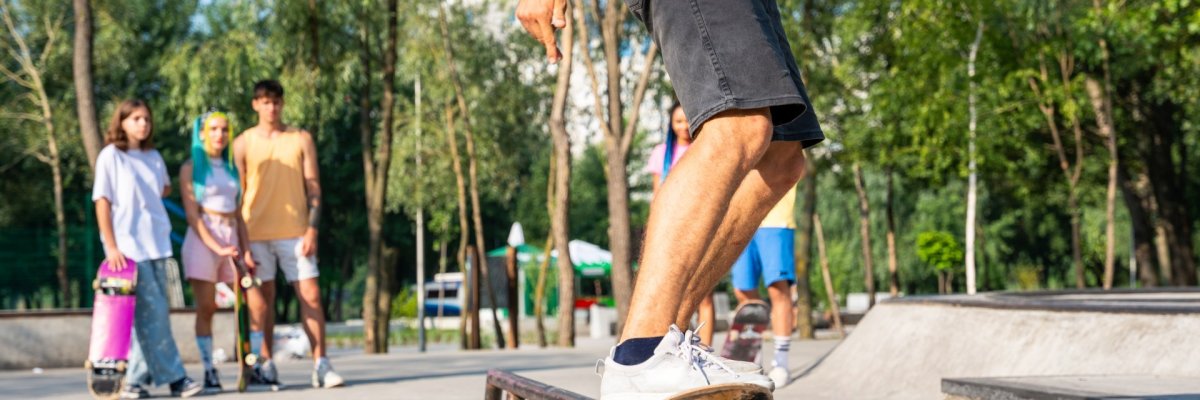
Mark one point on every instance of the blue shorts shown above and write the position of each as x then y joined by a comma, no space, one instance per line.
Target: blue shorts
768,258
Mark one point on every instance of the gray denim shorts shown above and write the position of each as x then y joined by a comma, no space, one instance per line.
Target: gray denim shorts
731,54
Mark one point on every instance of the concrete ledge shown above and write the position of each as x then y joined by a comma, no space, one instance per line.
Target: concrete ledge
52,339
1124,301
1073,387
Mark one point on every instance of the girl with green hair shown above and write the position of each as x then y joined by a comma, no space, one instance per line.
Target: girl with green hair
216,232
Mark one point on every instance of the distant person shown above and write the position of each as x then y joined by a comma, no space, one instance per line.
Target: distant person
282,210
216,233
662,158
770,259
131,180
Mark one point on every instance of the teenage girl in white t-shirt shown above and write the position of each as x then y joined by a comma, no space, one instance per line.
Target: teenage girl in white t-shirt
216,232
131,180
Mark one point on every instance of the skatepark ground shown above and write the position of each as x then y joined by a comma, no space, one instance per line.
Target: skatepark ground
1118,344
443,372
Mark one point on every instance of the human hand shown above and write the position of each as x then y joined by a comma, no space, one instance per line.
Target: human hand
227,251
308,245
541,18
116,260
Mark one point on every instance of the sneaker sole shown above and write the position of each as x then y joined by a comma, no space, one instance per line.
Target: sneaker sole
724,391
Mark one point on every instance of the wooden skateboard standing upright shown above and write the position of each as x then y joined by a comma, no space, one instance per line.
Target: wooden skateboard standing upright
744,342
246,360
112,326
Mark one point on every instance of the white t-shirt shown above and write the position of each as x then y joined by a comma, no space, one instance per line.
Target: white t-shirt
133,182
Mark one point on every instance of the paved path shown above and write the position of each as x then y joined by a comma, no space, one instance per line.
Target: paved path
444,373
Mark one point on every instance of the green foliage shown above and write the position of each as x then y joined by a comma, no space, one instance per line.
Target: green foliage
939,250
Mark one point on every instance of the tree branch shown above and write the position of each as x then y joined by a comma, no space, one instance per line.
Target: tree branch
584,43
638,95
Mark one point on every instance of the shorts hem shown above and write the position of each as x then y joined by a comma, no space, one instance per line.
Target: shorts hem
736,103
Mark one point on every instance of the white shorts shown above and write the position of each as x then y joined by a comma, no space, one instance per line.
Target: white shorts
286,252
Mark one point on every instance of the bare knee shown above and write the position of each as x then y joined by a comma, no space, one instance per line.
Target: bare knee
746,134
783,165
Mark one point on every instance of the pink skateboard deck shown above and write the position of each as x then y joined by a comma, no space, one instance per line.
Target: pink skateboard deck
112,325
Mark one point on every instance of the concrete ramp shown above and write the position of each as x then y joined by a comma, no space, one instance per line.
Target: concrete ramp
903,348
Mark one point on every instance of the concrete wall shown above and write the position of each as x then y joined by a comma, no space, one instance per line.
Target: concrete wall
903,350
60,339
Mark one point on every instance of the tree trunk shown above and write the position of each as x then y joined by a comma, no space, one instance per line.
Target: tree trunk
471,170
539,292
1143,230
84,93
972,180
468,316
618,136
864,229
376,317
893,276
830,294
804,245
561,177
474,342
1099,99
371,286
619,231
60,215
514,309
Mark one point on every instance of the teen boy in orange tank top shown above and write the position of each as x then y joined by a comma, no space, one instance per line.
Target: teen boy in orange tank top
282,209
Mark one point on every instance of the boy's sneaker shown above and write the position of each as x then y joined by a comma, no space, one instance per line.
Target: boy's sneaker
780,376
212,381
323,376
265,374
677,365
186,387
134,391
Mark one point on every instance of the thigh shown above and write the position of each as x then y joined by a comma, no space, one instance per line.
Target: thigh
264,256
199,262
777,249
295,265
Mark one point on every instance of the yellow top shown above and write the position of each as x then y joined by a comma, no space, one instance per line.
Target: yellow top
275,205
782,215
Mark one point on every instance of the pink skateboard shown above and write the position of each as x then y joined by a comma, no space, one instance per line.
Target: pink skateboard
112,323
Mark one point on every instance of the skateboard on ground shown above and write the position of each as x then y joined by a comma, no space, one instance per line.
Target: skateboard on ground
112,325
744,342
245,359
726,391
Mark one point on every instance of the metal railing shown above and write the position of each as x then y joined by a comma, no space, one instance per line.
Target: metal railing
519,387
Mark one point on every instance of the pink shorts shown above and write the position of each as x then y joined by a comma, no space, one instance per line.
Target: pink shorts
199,262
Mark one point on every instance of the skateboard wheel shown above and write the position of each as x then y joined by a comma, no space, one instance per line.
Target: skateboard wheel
121,366
96,284
247,282
251,359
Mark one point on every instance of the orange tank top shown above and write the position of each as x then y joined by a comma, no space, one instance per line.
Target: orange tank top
275,205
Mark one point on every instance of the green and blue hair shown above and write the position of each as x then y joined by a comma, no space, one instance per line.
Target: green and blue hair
201,167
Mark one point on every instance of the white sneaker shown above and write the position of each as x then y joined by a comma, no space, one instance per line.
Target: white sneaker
677,365
741,367
780,376
323,376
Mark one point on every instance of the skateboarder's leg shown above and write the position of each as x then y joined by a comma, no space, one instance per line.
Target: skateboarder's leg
309,294
153,325
204,295
707,314
698,191
261,301
778,170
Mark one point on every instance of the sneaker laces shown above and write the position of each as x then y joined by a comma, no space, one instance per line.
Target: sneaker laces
699,355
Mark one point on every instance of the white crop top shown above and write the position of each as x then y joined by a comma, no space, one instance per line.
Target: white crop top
220,189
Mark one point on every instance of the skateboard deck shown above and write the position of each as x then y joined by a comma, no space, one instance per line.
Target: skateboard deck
112,325
727,391
744,342
246,360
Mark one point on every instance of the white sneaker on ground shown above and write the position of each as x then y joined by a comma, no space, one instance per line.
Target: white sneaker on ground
677,365
780,376
323,376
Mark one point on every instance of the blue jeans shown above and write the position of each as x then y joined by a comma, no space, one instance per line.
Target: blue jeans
153,357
